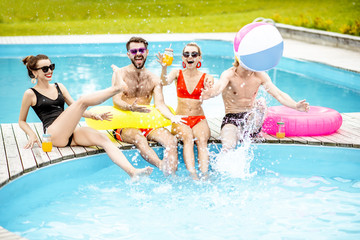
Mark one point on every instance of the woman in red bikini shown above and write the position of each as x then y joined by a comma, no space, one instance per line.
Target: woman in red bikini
189,85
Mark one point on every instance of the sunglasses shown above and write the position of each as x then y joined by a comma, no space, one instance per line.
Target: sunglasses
134,51
46,68
193,54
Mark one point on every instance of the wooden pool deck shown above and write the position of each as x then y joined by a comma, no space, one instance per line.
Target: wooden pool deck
16,161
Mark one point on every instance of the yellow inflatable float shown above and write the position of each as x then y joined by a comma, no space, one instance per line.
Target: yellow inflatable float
128,119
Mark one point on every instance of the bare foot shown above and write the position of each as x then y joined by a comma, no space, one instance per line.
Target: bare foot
204,176
141,172
166,168
117,80
194,176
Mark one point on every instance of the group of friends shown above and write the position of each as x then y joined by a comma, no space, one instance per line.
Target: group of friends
134,86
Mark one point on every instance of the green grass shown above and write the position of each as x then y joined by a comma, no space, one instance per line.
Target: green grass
53,17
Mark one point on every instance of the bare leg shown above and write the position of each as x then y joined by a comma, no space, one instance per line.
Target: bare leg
229,137
261,109
62,128
169,142
134,136
86,136
256,117
185,134
202,134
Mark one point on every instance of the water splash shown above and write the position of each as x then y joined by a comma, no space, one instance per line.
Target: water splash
235,163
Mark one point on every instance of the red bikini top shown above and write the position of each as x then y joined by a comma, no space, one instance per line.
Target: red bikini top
182,91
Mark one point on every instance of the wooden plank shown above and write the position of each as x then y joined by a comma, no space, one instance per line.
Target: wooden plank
214,129
79,151
125,145
351,125
217,120
216,125
42,159
349,132
215,133
27,157
311,140
66,153
325,141
349,137
92,150
354,115
269,139
12,153
286,140
154,144
298,140
352,118
354,130
339,140
4,171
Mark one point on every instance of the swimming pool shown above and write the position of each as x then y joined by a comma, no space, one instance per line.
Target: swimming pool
84,68
288,192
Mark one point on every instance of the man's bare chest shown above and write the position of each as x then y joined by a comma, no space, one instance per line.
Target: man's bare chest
139,88
243,88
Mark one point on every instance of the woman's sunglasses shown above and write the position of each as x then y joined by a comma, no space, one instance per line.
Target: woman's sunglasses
46,68
134,51
193,54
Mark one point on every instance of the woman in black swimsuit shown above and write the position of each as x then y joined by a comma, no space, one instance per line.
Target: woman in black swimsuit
48,100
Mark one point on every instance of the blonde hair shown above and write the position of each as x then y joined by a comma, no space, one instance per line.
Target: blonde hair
193,44
236,63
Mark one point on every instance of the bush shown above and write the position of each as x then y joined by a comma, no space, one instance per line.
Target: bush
353,28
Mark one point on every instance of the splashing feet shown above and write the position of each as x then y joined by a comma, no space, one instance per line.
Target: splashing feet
142,172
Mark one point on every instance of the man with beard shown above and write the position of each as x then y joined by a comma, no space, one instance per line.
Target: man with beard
142,85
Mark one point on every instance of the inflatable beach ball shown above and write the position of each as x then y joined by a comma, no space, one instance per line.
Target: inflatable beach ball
258,46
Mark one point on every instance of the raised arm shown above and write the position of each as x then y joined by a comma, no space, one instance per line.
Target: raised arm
166,79
28,100
117,99
212,90
281,96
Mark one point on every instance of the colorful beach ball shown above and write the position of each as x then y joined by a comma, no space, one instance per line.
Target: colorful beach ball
258,46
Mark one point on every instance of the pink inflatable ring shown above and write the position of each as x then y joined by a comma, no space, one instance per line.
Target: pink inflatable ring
317,121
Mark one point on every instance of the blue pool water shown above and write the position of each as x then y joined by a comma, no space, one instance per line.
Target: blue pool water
288,192
84,68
